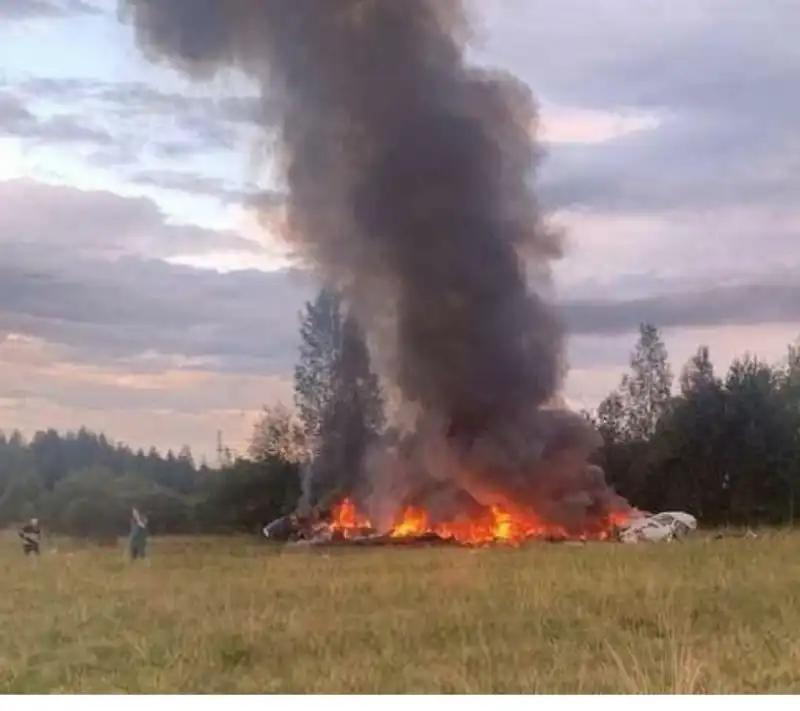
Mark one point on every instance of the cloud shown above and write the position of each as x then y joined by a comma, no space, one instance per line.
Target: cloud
637,255
42,386
687,163
695,54
135,312
74,274
746,304
709,120
35,369
163,429
194,184
18,120
44,9
560,125
165,408
13,112
161,123
48,219
80,269
138,312
714,73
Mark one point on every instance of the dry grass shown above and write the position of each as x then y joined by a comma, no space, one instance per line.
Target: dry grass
237,616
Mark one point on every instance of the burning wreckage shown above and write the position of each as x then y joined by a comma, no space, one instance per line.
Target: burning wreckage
345,525
410,181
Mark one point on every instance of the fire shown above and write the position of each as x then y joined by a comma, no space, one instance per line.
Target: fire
503,523
497,525
347,520
413,523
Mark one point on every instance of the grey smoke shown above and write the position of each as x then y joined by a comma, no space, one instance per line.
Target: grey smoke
410,189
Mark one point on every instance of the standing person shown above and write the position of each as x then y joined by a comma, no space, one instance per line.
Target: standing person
137,543
31,536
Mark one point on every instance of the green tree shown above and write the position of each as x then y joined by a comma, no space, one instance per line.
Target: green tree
354,419
698,373
249,494
337,394
315,371
611,418
685,469
647,389
87,503
790,394
46,476
278,433
758,441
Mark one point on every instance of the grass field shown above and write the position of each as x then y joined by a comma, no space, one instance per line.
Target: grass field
239,616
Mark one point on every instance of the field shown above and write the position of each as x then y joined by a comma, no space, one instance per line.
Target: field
239,616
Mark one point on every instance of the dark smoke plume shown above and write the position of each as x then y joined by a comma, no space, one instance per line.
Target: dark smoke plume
409,181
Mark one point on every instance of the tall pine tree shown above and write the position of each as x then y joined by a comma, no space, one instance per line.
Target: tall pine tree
338,396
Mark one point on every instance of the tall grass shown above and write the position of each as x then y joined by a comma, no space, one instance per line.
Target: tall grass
238,616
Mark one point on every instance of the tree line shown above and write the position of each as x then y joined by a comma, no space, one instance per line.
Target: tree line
723,447
82,483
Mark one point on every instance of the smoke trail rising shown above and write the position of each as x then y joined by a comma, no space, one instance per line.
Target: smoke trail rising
409,178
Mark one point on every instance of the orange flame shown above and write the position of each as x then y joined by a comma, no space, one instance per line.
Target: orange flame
496,526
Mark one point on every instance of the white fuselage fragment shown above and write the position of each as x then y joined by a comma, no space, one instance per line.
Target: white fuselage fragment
666,526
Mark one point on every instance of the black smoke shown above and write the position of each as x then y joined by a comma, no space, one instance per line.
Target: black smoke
410,183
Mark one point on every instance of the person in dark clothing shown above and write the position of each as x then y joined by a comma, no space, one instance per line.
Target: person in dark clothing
31,536
137,543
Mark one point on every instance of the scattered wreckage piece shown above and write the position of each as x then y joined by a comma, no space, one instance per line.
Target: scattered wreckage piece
285,528
666,526
313,529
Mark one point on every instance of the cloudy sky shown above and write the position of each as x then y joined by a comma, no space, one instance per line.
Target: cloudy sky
138,295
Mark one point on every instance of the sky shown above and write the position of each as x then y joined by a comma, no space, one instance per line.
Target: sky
141,296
